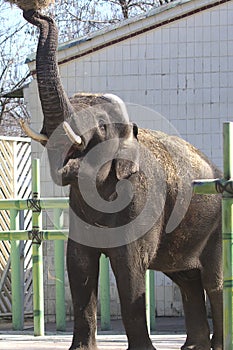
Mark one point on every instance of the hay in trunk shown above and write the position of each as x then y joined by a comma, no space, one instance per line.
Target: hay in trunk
30,4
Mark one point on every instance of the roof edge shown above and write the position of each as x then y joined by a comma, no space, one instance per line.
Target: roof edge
130,28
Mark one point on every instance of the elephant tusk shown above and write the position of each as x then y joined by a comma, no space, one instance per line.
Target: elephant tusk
31,133
71,134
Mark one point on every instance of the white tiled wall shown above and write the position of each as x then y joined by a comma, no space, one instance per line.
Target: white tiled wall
182,70
179,76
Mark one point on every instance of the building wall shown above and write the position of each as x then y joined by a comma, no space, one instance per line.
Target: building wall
177,78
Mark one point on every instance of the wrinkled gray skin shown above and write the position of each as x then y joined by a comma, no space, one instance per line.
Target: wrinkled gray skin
190,253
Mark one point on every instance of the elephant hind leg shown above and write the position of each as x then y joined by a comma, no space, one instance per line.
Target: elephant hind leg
212,279
193,297
215,296
216,301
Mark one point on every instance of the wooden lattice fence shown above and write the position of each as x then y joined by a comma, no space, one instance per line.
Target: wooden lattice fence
15,182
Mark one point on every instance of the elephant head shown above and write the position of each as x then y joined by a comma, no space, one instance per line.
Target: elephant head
73,127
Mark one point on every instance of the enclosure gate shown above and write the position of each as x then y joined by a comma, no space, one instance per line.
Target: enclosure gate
15,181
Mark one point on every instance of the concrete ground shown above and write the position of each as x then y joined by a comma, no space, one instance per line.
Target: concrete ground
105,342
170,335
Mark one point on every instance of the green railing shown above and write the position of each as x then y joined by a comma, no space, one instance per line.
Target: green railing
37,235
225,186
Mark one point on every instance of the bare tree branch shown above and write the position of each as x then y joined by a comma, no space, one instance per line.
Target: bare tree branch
74,18
10,36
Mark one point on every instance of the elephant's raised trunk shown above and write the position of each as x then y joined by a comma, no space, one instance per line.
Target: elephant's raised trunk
55,103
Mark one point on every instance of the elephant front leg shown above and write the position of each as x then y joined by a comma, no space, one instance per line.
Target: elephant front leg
130,280
83,271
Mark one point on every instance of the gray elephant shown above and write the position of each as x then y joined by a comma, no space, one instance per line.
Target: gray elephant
131,199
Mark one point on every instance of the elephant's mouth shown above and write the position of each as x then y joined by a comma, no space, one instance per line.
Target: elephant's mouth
64,159
72,153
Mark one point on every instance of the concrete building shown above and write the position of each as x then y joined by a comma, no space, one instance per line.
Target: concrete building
174,68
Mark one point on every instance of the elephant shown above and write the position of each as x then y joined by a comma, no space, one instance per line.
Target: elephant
131,199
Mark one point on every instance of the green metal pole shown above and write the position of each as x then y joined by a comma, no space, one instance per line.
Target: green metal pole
104,293
19,204
152,300
60,274
17,297
148,299
22,235
228,150
38,290
45,203
227,231
56,235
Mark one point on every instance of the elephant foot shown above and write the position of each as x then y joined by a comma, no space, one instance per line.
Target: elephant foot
142,348
216,344
195,347
84,348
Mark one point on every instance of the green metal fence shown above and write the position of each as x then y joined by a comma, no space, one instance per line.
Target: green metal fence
37,234
225,186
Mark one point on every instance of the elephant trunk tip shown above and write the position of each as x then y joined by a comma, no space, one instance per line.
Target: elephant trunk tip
31,4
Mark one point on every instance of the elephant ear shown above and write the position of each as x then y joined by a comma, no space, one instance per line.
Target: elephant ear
127,159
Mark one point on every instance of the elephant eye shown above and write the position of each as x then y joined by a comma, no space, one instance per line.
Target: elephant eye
102,126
